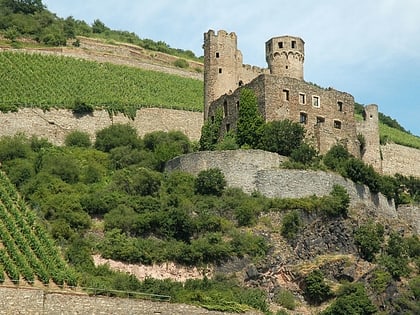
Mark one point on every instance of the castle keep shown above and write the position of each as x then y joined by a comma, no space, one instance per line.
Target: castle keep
282,93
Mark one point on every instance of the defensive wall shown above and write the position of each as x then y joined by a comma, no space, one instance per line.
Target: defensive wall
256,170
56,124
39,302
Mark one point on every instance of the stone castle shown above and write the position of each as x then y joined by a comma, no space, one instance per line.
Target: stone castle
282,93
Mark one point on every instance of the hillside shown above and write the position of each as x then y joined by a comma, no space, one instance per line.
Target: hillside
27,253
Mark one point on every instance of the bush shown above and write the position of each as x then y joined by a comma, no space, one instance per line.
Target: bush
181,63
210,182
337,203
316,290
304,154
368,239
335,158
78,139
283,137
286,299
290,225
116,136
352,299
81,108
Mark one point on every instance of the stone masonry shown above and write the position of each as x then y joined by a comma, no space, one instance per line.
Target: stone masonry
282,93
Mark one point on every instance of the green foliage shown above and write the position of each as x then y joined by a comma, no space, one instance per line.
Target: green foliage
286,299
137,181
352,299
210,132
283,137
228,142
78,139
315,289
250,121
336,157
337,203
304,154
395,259
49,81
181,63
14,147
210,182
247,211
380,281
398,136
116,136
369,238
291,225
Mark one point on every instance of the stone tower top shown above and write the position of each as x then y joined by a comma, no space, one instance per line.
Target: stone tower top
285,56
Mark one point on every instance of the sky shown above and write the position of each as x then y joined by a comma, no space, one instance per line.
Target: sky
368,48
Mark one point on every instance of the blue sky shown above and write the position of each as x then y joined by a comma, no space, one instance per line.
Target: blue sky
368,48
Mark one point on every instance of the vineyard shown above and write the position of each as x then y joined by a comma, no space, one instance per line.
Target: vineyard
47,81
27,253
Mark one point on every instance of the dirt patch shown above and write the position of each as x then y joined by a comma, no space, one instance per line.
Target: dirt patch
162,271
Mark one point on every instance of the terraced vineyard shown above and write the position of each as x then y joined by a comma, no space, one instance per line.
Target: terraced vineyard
27,253
35,80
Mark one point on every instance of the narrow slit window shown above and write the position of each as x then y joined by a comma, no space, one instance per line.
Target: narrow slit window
303,119
225,108
340,106
315,101
286,95
217,55
220,70
227,127
293,44
237,106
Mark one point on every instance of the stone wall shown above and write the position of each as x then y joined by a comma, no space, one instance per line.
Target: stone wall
255,170
37,301
400,159
56,124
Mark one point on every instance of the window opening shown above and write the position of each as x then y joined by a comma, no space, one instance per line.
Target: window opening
280,44
220,70
320,120
337,124
340,106
217,55
286,95
241,83
212,119
302,98
225,108
315,101
293,44
227,127
303,118
237,106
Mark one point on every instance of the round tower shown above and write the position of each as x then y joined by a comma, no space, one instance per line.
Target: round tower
285,56
222,60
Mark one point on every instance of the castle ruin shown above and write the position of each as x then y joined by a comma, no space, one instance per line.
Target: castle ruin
282,93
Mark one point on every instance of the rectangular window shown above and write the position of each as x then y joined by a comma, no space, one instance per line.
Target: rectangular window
217,55
315,101
220,70
320,120
286,95
225,109
212,119
337,124
293,44
280,44
340,106
302,99
303,119
227,127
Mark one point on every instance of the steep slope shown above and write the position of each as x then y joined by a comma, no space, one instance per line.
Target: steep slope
27,253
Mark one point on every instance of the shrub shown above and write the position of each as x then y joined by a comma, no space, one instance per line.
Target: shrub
81,108
335,157
304,154
282,137
78,139
316,290
368,239
210,182
352,299
116,136
337,203
181,63
291,225
286,299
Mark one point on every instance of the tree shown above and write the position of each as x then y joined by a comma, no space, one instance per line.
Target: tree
116,136
334,159
352,299
250,120
78,139
290,225
316,290
304,154
281,137
210,132
368,239
99,27
210,182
